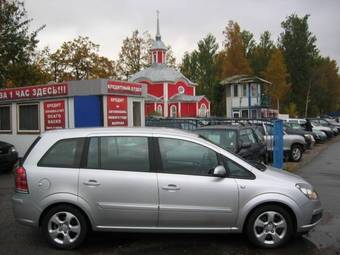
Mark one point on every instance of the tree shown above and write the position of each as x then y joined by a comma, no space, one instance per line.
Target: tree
299,49
189,66
234,54
261,53
17,46
249,42
134,55
76,60
276,73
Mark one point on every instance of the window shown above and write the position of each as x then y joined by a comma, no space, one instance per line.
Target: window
236,115
244,90
64,153
28,118
173,111
160,109
119,153
5,118
236,171
183,157
269,129
181,90
247,136
203,111
235,90
254,90
228,91
226,139
244,113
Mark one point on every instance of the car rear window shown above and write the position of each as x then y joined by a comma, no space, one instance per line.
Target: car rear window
30,149
65,153
226,139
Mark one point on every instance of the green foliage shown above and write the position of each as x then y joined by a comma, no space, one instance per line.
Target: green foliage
300,51
17,46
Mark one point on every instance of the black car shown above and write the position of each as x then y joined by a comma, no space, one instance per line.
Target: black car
242,140
8,156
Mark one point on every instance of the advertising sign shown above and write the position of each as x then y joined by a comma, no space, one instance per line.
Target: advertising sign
54,113
126,88
117,112
34,92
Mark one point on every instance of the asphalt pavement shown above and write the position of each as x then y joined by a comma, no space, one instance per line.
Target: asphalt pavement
323,172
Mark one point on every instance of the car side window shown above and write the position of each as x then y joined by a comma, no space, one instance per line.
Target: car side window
119,153
65,153
184,157
269,129
247,136
235,170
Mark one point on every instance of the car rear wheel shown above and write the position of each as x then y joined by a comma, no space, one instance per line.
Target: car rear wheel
64,227
295,153
269,226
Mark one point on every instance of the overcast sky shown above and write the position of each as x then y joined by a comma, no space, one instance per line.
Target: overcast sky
183,22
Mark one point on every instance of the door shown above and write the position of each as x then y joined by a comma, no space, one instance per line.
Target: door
88,111
189,196
137,118
117,182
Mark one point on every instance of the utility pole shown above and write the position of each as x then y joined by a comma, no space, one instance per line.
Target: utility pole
307,97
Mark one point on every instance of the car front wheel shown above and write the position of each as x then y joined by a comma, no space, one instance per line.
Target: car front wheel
269,226
295,154
64,227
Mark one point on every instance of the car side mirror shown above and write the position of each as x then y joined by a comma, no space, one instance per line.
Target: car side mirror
245,145
220,171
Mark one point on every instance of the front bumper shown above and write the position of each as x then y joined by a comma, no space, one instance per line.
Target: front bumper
311,215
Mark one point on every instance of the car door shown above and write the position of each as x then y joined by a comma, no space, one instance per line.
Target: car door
117,184
189,196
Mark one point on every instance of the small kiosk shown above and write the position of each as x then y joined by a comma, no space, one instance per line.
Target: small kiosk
26,112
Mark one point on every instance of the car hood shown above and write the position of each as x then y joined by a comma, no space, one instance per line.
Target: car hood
4,145
283,176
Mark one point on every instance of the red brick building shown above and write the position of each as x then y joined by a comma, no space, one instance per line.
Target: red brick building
169,92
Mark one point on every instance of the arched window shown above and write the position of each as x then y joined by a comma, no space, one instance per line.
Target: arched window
181,90
173,111
160,109
203,111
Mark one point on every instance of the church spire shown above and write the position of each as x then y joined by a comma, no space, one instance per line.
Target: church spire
158,35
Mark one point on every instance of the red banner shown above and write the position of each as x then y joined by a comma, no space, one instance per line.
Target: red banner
54,113
126,88
117,114
34,92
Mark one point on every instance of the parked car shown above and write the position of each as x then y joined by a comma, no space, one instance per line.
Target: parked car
307,135
335,126
327,130
318,135
8,156
239,139
293,145
159,180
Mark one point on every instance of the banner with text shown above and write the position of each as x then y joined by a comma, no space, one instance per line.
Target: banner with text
54,113
124,87
50,90
117,112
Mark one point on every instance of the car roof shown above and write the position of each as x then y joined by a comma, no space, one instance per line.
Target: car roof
82,132
234,127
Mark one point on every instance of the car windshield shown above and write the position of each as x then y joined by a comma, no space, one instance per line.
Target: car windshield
224,138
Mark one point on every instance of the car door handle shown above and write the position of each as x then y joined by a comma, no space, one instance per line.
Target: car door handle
91,183
171,187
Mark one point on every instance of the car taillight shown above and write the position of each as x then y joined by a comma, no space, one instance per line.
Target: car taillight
21,185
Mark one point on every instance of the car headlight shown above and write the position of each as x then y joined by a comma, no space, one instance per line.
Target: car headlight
12,150
307,190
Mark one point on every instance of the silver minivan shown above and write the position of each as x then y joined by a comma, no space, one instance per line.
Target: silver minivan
154,179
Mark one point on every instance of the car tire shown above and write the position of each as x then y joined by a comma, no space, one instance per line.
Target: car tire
64,227
295,153
269,226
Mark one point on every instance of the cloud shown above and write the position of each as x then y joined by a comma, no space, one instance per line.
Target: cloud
183,22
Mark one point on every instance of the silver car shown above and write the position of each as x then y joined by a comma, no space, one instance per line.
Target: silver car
158,180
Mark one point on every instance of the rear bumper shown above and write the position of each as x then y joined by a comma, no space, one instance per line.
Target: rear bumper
24,210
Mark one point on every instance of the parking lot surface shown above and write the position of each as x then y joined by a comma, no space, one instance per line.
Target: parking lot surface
323,172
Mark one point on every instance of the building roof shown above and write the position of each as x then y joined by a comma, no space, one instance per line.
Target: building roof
153,98
243,78
185,98
160,73
158,43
